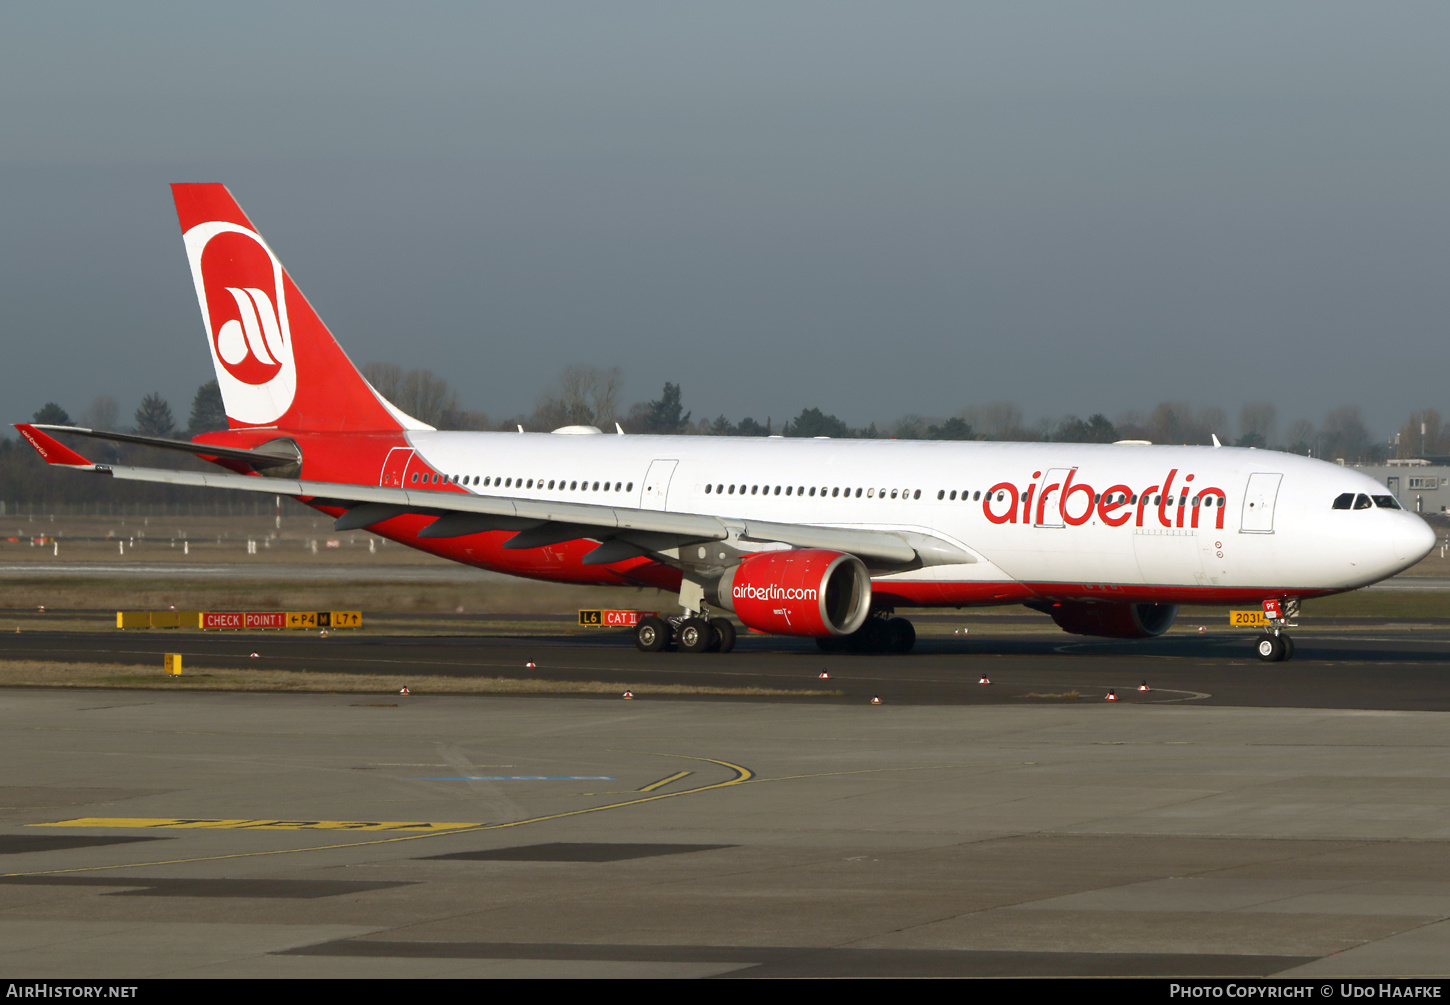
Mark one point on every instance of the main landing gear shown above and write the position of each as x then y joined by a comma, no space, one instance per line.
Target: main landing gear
880,634
688,633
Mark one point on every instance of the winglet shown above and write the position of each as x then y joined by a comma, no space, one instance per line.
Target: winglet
52,450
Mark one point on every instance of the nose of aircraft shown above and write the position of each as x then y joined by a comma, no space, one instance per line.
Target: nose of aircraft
1414,539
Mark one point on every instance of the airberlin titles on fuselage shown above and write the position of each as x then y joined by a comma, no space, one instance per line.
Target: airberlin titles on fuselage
1042,501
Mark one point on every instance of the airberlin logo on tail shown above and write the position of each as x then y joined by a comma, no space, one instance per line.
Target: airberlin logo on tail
239,285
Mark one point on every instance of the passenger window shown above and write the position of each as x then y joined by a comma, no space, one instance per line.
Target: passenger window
858,493
1387,502
813,490
893,493
1361,501
835,492
787,490
942,494
732,490
1344,500
916,494
755,490
708,488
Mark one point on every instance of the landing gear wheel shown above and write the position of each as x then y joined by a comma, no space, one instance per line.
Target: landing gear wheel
724,635
900,636
869,638
1270,648
694,635
651,634
1288,646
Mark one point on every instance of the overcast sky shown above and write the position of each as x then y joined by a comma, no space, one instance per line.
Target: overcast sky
874,209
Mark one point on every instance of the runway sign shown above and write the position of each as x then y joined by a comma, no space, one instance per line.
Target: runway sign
611,619
238,620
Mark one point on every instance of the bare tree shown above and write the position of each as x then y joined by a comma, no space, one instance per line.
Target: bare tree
421,393
1215,422
1421,434
582,396
1343,435
386,379
1301,437
1175,422
1258,419
104,413
997,420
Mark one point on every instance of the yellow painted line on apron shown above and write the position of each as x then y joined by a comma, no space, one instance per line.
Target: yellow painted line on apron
200,823
742,775
665,781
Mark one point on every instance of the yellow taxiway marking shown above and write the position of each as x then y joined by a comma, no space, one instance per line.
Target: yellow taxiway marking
200,823
742,775
665,781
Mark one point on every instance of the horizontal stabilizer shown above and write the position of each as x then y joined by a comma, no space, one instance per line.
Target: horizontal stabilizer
256,458
51,450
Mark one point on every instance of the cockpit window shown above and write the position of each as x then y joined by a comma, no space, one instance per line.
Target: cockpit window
1361,501
1344,500
1387,502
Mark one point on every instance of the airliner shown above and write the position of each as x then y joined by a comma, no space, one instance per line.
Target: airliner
816,538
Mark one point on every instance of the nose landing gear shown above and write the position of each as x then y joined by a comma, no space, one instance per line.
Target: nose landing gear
1275,645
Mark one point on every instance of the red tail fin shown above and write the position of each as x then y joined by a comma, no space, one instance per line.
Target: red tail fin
275,360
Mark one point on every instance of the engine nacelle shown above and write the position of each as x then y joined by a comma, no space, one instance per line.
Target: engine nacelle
805,591
1113,620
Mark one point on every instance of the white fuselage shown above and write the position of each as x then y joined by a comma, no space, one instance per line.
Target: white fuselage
1088,516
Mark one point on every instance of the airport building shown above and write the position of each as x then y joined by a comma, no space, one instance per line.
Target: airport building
1421,485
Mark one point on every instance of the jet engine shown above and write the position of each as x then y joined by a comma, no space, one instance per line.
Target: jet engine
1113,620
806,591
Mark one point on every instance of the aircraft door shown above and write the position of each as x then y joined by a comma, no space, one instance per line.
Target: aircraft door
1259,498
656,488
395,467
1048,500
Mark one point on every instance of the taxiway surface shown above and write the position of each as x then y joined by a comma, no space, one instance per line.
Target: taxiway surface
1240,818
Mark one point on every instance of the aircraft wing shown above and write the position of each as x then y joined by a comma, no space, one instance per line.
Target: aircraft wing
623,532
